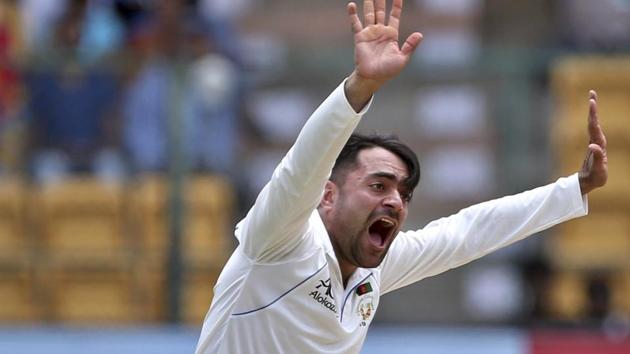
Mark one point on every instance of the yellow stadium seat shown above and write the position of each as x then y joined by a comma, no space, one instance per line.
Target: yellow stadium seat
18,296
152,291
13,238
207,208
572,78
197,294
92,296
81,219
599,241
209,203
148,216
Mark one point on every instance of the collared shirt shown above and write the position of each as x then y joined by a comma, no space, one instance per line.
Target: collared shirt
281,290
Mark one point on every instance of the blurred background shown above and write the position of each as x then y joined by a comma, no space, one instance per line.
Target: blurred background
135,133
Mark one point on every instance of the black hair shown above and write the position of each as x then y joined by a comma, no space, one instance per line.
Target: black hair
347,158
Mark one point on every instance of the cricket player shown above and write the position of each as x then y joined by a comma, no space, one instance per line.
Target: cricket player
323,240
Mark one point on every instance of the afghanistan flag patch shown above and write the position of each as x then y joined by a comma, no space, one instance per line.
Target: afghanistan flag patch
364,288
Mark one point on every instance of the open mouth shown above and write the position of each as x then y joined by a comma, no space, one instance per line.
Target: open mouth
380,231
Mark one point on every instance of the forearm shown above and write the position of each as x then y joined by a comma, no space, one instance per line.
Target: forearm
486,227
480,229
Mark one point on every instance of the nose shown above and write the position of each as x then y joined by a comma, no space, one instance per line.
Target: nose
394,201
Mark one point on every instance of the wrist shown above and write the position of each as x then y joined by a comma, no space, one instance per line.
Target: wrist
360,90
360,83
585,187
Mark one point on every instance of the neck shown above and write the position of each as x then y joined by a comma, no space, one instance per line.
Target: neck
346,268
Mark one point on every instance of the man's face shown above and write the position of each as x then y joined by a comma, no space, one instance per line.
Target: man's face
365,212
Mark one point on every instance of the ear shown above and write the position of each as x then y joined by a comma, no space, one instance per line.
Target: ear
330,195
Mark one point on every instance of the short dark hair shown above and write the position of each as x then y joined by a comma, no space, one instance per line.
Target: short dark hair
347,158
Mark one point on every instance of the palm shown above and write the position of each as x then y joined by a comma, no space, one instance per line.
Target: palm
377,53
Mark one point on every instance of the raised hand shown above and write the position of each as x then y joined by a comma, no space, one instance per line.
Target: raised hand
594,171
377,54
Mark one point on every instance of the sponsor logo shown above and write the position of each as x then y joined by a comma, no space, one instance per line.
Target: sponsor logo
324,295
325,285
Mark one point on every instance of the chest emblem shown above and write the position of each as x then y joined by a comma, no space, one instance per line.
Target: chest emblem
366,308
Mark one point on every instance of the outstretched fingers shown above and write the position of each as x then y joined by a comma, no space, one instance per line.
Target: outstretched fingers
411,43
355,22
374,13
368,12
395,13
595,132
380,12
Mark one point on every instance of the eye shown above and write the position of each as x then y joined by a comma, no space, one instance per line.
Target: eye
406,197
377,186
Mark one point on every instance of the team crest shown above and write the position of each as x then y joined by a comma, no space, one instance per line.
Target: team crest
366,308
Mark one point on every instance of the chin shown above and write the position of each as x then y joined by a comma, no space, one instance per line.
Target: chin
372,263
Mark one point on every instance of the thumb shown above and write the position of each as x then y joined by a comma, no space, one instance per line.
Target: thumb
411,43
597,154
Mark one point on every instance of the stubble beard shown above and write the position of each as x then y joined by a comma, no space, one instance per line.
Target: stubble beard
354,253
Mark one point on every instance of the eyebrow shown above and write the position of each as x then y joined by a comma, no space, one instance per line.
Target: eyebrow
386,175
391,177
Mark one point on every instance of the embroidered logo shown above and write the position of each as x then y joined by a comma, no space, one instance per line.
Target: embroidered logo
324,295
365,309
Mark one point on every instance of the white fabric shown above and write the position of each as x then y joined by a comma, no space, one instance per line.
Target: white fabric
282,291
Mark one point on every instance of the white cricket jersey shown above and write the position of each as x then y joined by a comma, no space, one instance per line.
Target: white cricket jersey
281,290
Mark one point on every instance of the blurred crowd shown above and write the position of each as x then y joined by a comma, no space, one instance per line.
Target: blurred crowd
116,87
120,87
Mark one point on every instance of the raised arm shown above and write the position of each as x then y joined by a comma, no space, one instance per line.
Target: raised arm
276,223
486,227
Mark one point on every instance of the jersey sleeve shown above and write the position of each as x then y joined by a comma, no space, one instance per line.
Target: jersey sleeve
277,222
478,230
